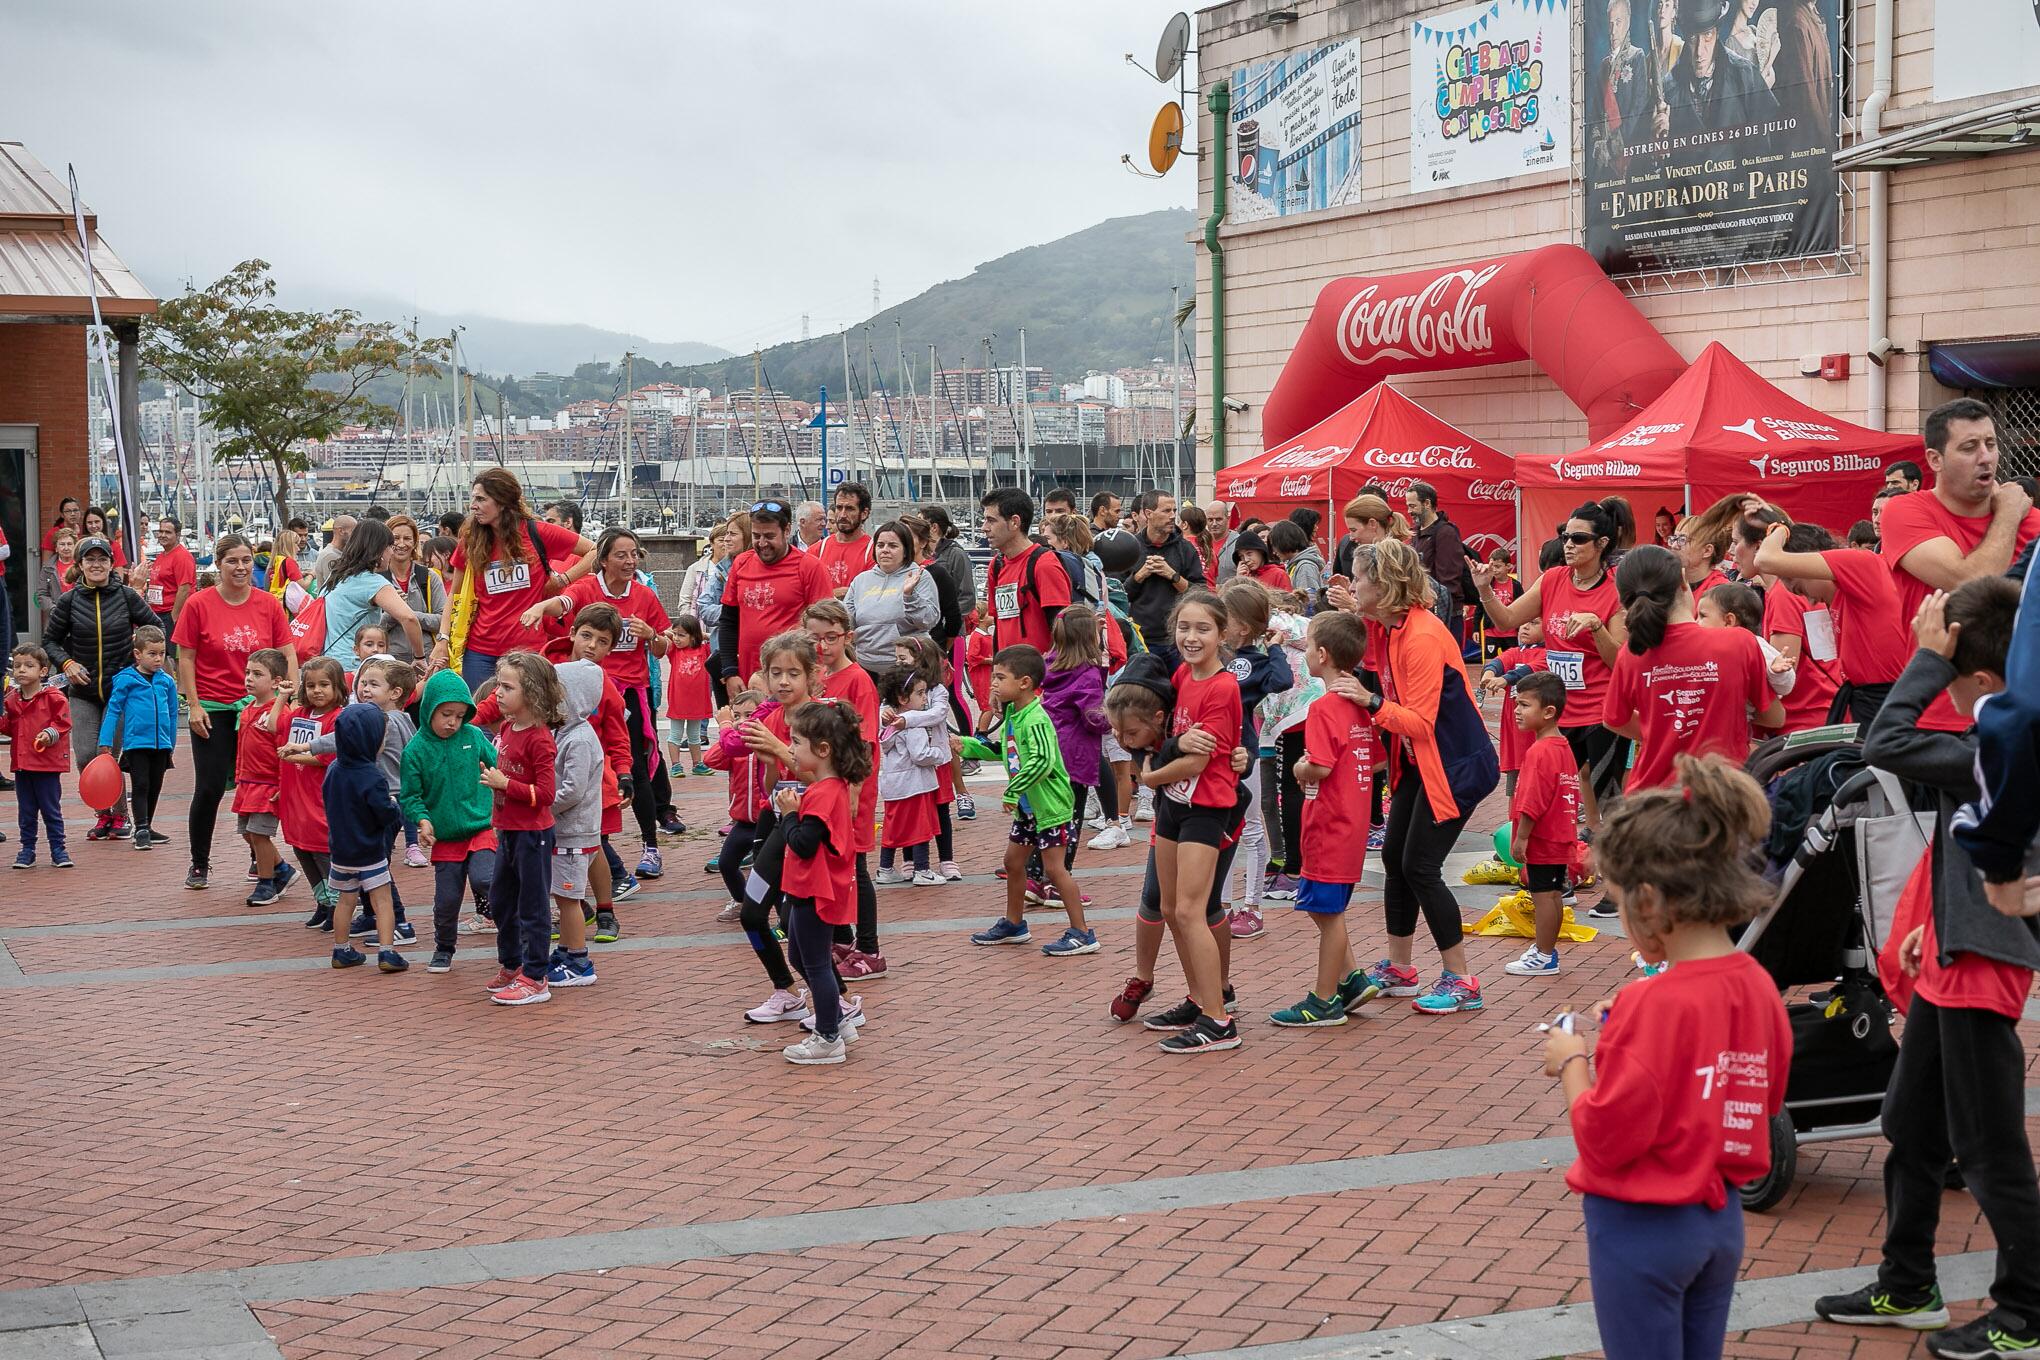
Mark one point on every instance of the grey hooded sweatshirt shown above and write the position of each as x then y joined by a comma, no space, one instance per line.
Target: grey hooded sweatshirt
885,608
577,801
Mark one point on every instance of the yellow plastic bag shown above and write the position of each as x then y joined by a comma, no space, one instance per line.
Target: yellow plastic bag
1515,914
1491,871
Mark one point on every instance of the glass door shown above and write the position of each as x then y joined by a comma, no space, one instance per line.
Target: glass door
20,520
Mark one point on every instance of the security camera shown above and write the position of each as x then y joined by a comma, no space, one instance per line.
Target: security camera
1236,406
1882,348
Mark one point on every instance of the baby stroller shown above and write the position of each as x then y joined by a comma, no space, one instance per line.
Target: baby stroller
1838,890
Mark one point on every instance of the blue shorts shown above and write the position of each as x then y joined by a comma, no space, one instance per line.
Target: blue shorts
1322,899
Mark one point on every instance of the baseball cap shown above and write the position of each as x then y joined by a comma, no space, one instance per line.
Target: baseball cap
94,544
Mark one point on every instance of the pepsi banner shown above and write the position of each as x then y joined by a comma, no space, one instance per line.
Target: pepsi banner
1296,133
1710,132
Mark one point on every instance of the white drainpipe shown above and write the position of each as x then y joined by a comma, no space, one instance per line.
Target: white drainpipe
1878,192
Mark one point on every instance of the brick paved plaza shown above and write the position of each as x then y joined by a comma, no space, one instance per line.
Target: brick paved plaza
217,1147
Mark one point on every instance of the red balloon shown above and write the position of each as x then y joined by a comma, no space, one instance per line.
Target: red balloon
99,782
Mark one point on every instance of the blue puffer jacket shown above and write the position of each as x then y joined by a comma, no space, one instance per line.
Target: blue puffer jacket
141,711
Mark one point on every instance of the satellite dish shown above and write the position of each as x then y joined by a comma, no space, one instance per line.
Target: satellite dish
1174,46
1165,138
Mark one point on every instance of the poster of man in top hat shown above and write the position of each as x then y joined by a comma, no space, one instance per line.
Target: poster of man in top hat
1710,88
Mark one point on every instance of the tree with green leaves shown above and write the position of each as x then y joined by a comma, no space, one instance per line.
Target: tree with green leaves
275,380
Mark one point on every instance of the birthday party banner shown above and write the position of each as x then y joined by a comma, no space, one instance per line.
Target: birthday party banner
1490,93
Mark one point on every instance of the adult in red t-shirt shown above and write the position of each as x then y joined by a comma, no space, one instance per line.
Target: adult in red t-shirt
1025,595
1970,524
764,593
846,553
98,526
171,577
1679,688
219,629
1583,630
517,561
1871,634
69,513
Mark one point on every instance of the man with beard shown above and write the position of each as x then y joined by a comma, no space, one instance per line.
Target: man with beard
764,593
1710,88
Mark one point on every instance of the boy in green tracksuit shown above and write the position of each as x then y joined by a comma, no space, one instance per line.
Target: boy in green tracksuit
443,793
1038,792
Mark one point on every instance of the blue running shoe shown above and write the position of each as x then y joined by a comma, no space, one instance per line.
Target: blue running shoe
1073,942
566,972
348,957
1003,931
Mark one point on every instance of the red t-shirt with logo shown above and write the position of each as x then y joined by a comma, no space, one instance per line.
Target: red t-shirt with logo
852,685
1339,735
1692,694
626,663
173,568
220,637
1909,521
1214,705
1021,614
828,877
1548,793
256,763
301,789
1574,658
769,598
844,562
687,682
1814,683
505,589
1874,641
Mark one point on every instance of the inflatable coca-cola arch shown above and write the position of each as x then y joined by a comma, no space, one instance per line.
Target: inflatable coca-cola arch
1552,306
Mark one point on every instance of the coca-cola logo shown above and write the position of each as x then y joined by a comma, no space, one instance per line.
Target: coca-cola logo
1445,457
1492,491
1306,458
1242,488
1443,317
1295,486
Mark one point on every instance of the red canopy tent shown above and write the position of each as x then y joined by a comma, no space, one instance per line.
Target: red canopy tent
1380,436
1718,430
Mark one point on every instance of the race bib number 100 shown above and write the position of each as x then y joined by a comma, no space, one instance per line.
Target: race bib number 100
1569,667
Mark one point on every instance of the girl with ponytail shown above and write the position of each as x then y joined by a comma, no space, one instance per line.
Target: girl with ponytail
1678,688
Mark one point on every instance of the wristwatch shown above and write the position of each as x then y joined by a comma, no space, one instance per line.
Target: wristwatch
1374,703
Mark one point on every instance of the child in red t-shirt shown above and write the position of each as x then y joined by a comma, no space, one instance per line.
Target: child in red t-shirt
39,719
977,658
831,752
300,787
1692,1066
792,676
256,774
1544,815
689,703
532,702
1337,775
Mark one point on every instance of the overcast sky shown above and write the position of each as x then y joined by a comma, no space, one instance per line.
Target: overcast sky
685,171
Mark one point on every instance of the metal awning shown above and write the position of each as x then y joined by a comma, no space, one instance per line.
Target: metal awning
2010,126
42,267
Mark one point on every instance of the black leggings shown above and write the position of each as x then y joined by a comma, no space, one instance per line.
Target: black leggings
314,863
1108,794
758,927
1413,857
729,861
945,834
1291,745
865,936
212,764
644,798
145,769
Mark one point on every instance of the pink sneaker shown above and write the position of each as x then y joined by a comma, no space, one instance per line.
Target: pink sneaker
416,858
1246,924
778,1006
523,992
858,964
1036,894
841,953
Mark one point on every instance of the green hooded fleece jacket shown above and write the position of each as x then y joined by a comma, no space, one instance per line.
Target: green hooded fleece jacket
442,777
1035,779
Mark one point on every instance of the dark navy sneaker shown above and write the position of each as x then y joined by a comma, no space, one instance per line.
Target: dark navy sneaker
442,961
1995,1333
1073,941
265,893
61,859
406,933
1877,1305
347,956
284,875
390,961
1206,1036
1003,931
362,924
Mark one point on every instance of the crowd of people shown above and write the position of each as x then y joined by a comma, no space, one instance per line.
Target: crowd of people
486,701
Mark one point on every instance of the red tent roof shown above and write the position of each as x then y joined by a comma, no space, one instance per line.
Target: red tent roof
1380,436
1721,428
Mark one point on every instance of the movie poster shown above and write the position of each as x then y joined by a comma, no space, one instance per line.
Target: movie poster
1296,133
1710,132
1490,92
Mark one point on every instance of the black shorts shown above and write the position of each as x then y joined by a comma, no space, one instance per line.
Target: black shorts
1603,759
1544,878
1192,825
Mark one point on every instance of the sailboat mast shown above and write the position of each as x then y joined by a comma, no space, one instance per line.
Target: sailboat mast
849,419
629,385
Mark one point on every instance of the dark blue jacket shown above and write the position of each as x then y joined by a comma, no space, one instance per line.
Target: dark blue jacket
1998,828
360,815
1260,673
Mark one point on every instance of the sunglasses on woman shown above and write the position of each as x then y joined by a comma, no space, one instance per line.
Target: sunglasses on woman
1579,540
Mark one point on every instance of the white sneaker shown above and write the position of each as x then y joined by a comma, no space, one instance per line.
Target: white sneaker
731,913
1144,806
778,1006
815,1051
1533,963
1113,837
477,925
887,877
927,878
853,1017
1097,823
950,872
